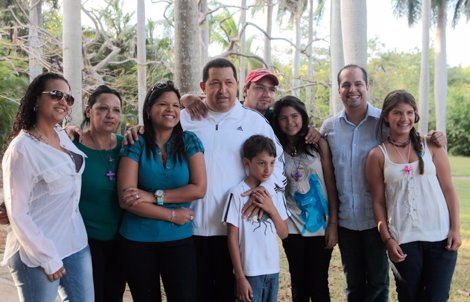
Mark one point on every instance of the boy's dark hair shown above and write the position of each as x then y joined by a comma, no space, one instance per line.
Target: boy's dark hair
218,63
257,144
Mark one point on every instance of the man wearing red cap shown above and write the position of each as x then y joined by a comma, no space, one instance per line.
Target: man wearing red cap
260,90
259,94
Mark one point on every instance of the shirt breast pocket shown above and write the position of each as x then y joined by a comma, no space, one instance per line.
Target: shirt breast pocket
57,181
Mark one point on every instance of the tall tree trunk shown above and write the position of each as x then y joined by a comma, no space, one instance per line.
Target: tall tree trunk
242,48
73,60
35,53
204,28
354,28
424,74
187,46
336,54
269,29
440,70
309,87
296,50
141,58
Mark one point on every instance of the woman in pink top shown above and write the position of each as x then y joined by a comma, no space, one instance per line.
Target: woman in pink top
415,204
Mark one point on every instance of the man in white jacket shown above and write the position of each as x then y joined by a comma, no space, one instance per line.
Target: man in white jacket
223,133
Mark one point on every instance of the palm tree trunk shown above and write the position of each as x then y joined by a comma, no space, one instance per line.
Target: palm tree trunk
354,28
187,46
73,59
336,54
267,39
309,87
440,71
296,50
242,48
204,27
35,53
141,58
424,74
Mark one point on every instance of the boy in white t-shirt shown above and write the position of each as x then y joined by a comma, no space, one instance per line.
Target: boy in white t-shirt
253,243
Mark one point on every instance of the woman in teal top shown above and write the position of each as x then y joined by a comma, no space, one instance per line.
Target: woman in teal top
158,177
99,204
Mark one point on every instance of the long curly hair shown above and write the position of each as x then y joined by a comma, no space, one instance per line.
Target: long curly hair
26,116
298,105
149,135
392,99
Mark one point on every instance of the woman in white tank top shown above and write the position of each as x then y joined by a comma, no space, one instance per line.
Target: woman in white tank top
415,204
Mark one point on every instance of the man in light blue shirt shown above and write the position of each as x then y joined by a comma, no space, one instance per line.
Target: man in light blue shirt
351,134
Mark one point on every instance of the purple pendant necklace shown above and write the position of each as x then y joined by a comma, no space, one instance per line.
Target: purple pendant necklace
107,156
298,174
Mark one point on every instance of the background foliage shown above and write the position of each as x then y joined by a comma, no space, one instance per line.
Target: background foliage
388,70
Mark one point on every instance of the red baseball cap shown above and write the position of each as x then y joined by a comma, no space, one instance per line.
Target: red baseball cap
259,73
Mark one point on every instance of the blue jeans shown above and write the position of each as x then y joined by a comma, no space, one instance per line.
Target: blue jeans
365,264
426,273
75,286
265,287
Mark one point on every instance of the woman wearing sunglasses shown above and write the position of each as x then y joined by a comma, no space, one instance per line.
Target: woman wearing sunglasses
158,177
46,248
99,204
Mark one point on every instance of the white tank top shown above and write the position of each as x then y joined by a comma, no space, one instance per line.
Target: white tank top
416,207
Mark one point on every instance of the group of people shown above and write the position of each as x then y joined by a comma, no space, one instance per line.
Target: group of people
199,197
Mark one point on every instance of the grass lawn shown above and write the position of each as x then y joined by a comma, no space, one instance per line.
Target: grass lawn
460,166
460,291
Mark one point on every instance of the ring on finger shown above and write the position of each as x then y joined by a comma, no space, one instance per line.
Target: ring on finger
191,217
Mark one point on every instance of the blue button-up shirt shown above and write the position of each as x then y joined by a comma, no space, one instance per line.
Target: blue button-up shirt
350,144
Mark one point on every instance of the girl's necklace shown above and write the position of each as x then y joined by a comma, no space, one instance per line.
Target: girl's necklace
107,157
298,174
297,160
397,144
408,169
39,137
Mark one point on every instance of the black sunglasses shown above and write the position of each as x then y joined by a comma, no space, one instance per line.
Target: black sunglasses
59,95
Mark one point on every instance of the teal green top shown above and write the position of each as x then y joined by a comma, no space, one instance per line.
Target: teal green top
153,176
99,204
